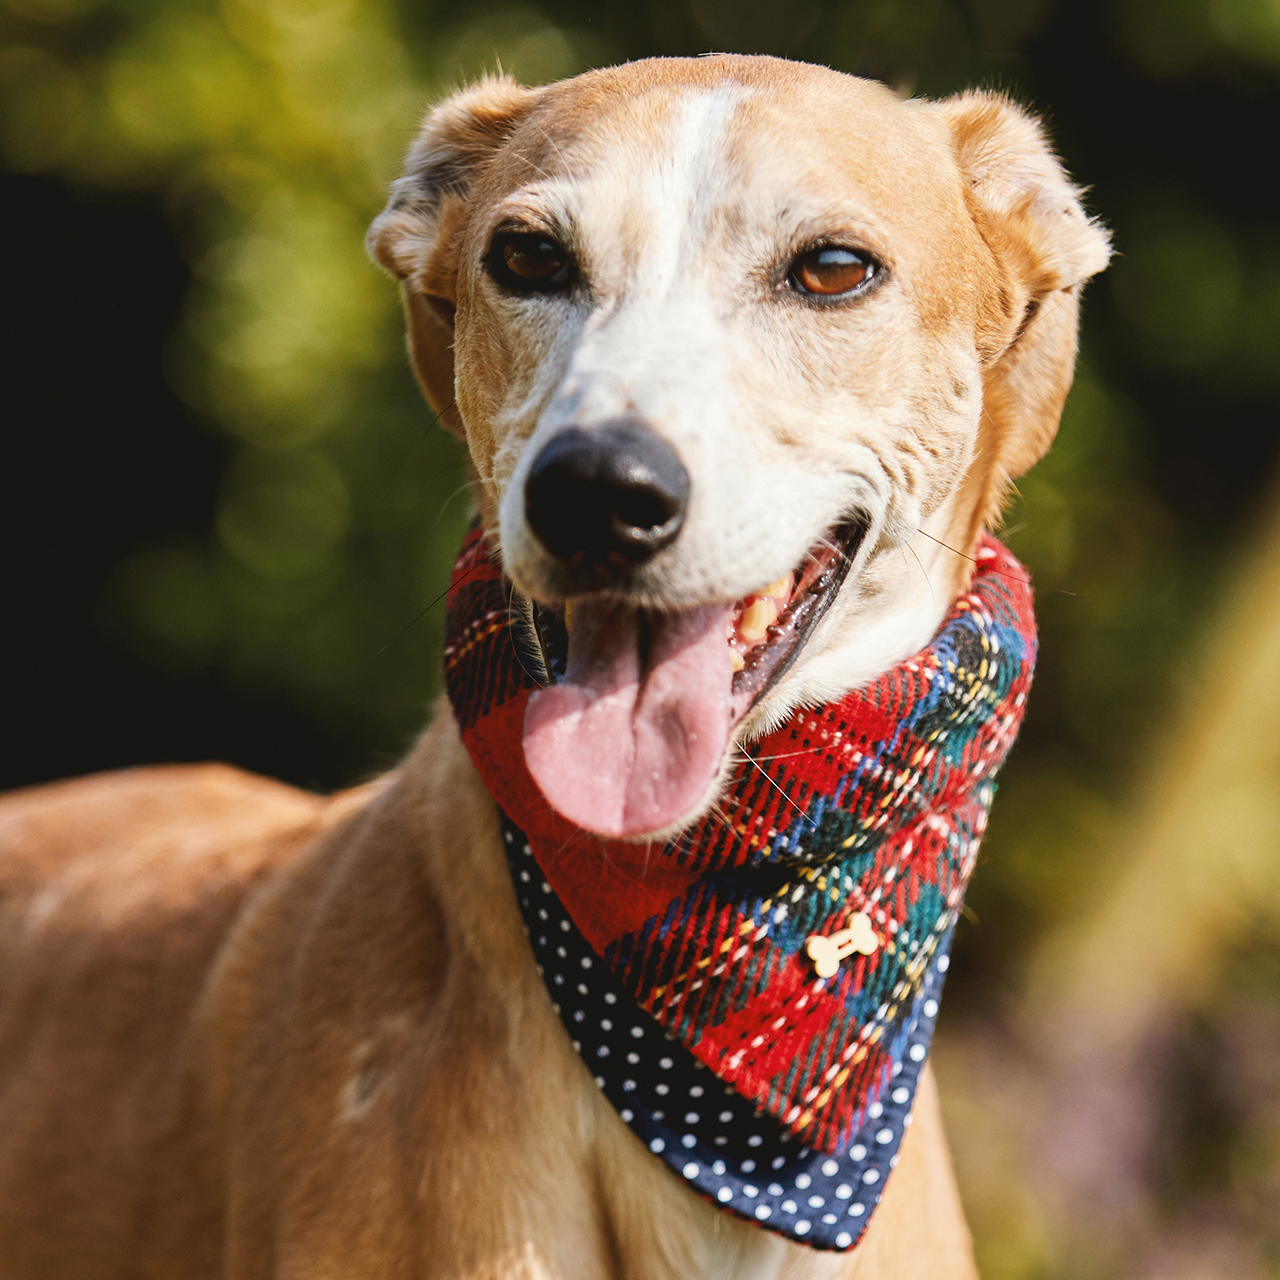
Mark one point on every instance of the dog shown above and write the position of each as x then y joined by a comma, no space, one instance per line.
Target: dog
696,320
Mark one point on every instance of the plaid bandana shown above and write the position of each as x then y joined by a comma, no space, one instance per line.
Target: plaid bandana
757,996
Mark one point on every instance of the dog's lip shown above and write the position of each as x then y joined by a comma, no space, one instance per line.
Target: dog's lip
818,578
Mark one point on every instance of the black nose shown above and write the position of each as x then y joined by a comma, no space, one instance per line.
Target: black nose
611,496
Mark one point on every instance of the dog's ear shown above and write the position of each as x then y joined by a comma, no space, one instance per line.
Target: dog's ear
417,237
1044,247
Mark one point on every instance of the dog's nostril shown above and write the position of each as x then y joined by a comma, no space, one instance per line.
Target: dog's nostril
613,495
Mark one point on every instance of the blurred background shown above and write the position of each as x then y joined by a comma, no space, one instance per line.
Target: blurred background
225,510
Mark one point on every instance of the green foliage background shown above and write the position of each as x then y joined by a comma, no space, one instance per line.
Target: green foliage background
268,131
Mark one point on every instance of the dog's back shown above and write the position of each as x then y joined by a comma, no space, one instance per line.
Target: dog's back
117,893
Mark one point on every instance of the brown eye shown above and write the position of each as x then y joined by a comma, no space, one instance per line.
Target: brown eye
529,263
831,271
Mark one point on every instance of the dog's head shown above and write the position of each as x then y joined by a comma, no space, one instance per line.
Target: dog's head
746,354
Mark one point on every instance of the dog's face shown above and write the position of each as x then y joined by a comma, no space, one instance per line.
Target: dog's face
737,346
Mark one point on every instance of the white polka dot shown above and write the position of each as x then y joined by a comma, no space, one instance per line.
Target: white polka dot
627,1115
629,1086
788,1206
577,1046
691,1117
875,1111
690,1170
564,926
688,1141
857,1152
599,1082
582,988
763,1211
871,1177
724,1195
633,1058
665,1063
844,1191
774,1189
816,1202
857,1210
562,953
747,1166
696,1091
916,1053
585,962
944,963
750,1191
718,1168
884,1137
843,1240
661,1090
659,1115
610,998
605,1024
829,1219
754,1140
830,1168
901,1096
657,1145
602,1051
725,1117
546,888
579,1016
802,1227
637,1032
930,1008
803,1180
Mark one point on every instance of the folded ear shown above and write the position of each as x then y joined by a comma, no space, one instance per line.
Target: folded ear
418,236
1044,248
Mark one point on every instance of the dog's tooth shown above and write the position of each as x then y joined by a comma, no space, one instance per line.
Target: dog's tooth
779,590
736,660
759,615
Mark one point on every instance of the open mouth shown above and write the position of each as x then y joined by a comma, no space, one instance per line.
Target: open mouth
630,736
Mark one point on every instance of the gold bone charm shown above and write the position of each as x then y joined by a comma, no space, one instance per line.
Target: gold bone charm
827,951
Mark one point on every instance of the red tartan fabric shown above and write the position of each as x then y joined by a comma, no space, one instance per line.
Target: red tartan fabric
872,804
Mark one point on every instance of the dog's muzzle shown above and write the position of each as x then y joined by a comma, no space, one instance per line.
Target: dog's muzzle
606,499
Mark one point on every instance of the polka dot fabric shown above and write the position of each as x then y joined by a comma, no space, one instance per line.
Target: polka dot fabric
706,1133
869,810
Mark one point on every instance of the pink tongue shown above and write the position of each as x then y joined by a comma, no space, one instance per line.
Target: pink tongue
622,751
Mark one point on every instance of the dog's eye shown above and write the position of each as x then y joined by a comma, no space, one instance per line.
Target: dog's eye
831,271
529,262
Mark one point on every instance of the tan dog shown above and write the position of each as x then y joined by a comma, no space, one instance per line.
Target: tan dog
247,1032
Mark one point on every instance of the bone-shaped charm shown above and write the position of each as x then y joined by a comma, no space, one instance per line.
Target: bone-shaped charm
827,951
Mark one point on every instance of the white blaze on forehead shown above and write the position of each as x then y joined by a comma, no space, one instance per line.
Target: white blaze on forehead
645,208
686,183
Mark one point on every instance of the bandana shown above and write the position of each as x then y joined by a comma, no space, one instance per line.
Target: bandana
757,996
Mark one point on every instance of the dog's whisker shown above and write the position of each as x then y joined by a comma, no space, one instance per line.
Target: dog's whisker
519,616
425,611
749,757
923,570
462,488
998,572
